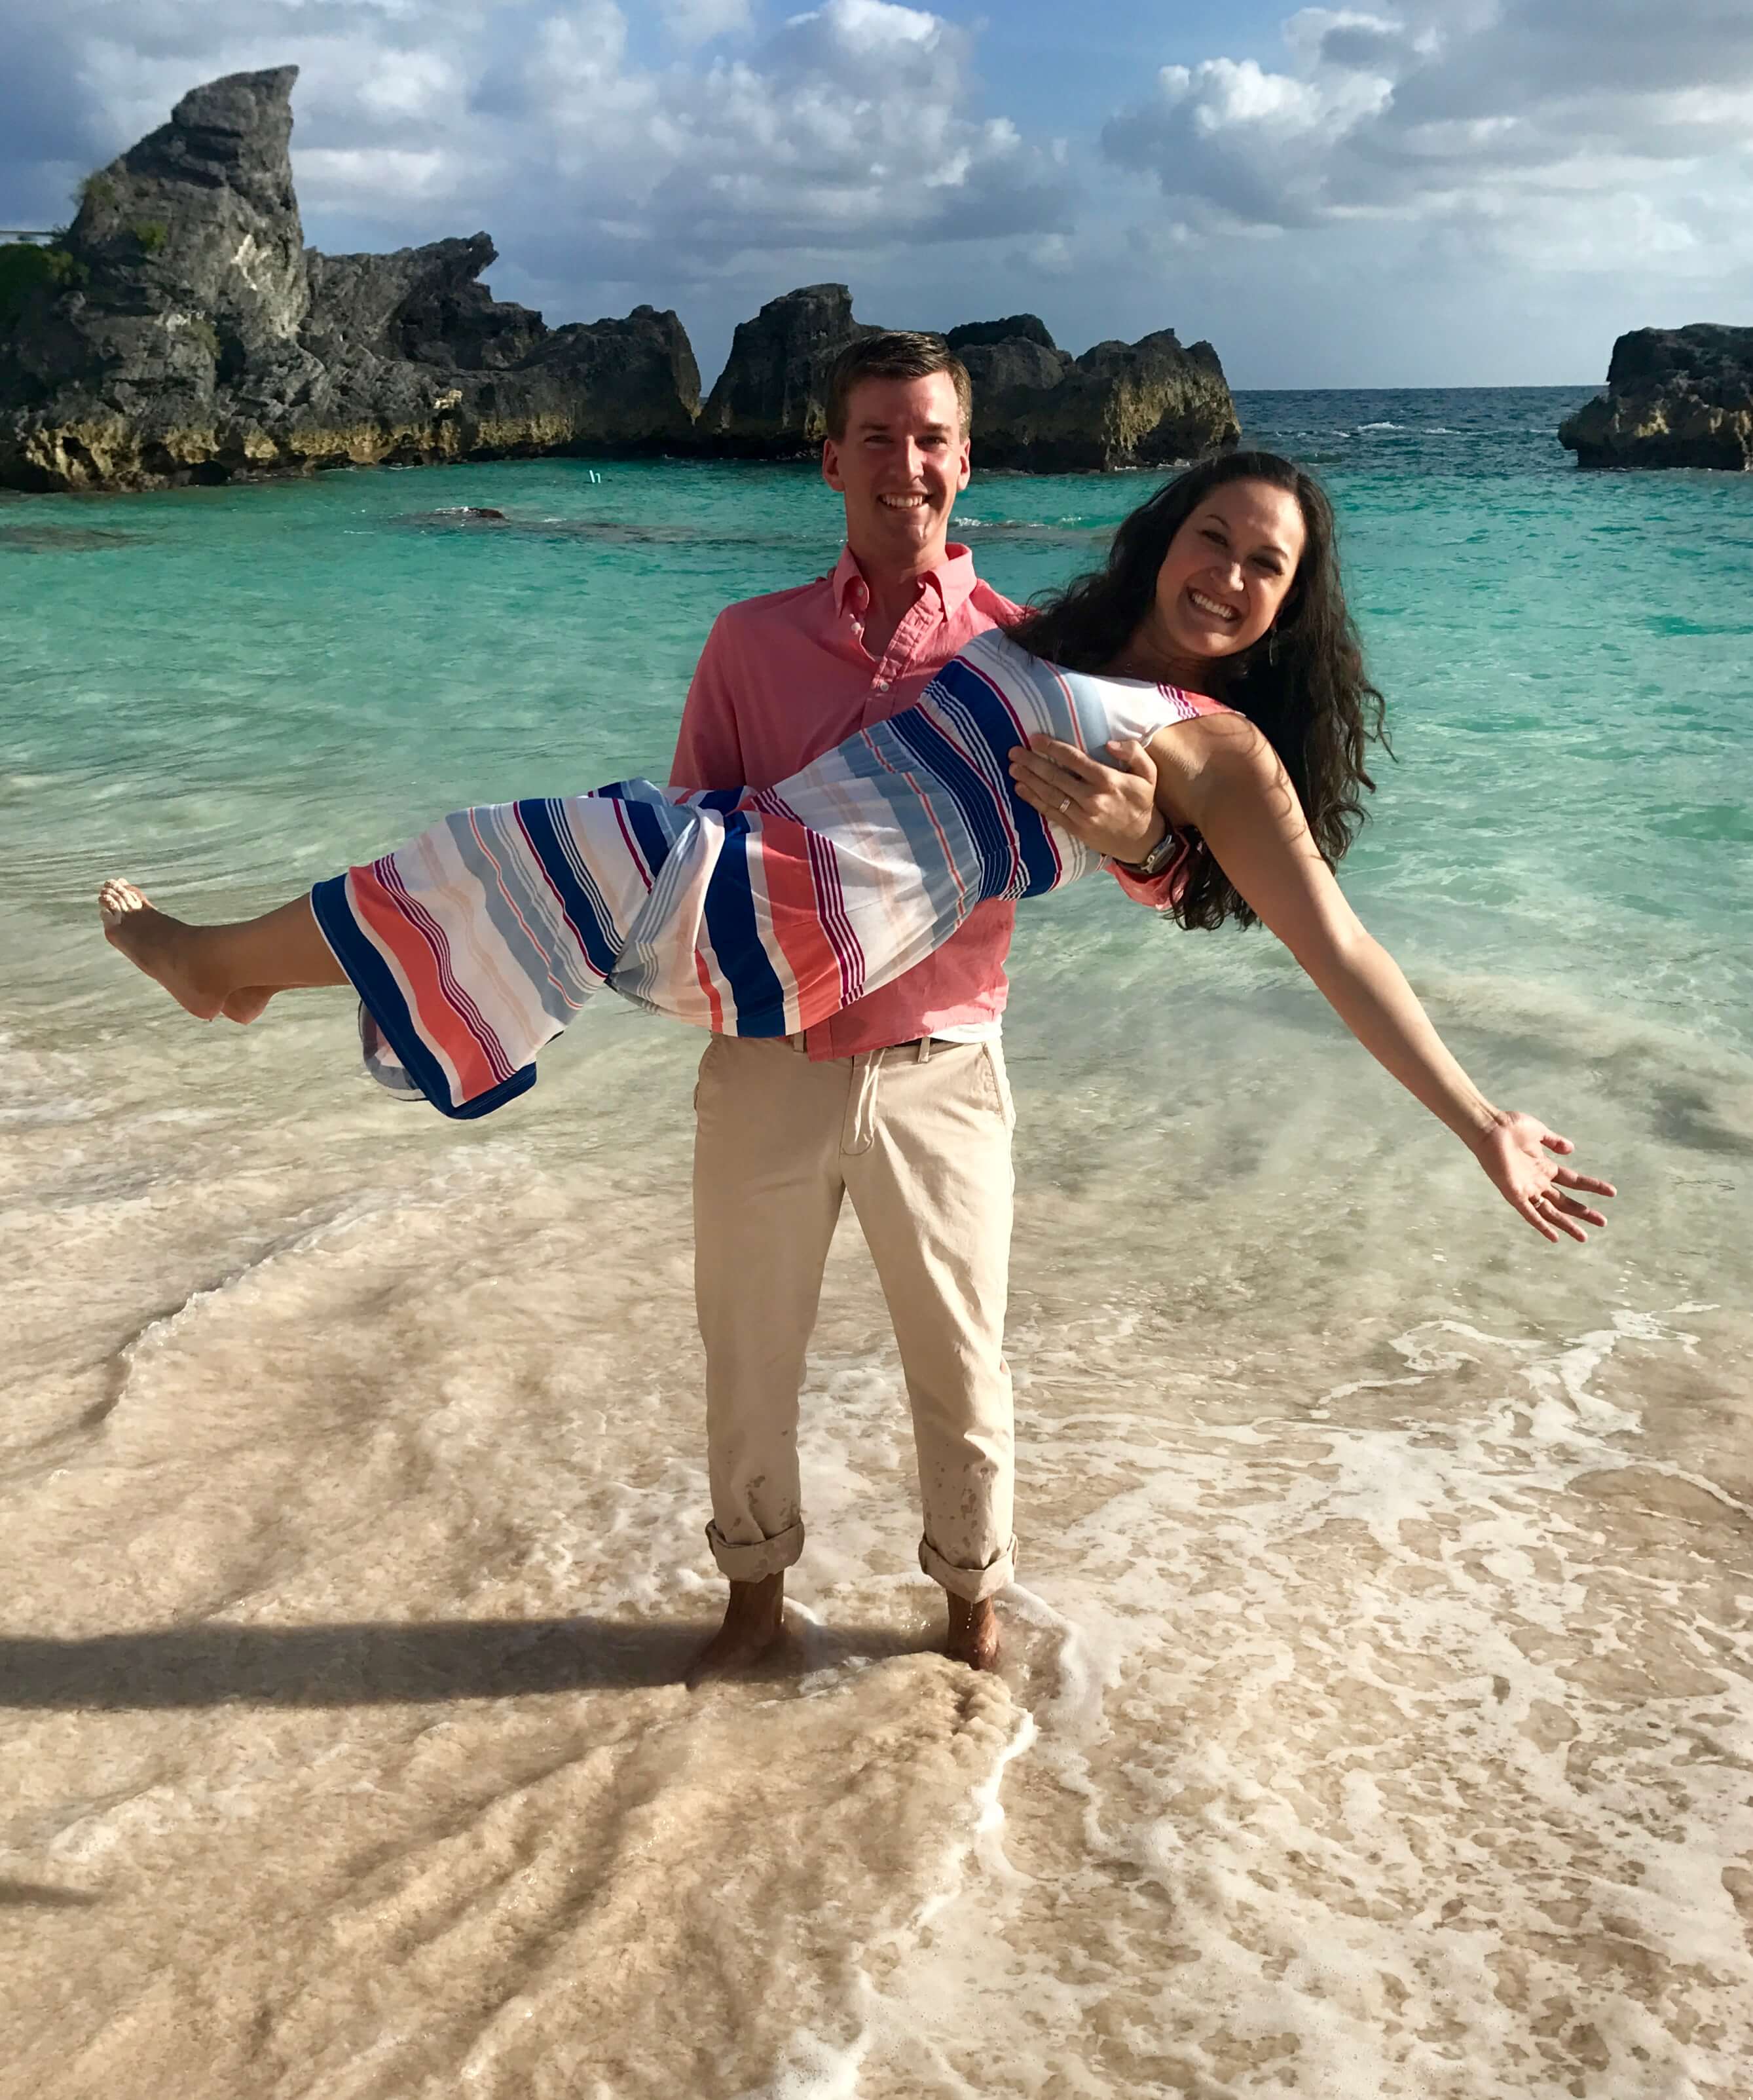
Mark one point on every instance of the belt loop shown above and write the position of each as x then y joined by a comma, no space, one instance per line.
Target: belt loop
923,1055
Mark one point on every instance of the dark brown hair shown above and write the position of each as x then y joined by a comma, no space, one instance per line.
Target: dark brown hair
1303,684
896,354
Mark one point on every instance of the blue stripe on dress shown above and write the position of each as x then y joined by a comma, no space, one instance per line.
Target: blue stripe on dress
970,701
582,906
737,944
972,795
382,997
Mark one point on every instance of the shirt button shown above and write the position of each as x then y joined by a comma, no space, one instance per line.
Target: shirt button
882,685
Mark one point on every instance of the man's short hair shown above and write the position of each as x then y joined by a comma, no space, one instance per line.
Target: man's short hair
896,354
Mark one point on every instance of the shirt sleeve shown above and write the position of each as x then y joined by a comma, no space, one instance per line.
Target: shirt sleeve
708,751
1157,891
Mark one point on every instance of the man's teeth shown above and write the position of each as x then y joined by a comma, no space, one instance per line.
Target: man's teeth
1210,604
902,502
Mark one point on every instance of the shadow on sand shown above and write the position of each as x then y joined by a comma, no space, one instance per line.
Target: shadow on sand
217,1664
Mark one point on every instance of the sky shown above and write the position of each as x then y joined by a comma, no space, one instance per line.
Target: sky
1436,192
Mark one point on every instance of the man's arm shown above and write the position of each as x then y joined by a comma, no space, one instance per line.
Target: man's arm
708,751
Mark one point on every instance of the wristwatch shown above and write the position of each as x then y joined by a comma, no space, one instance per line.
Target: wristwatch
1155,860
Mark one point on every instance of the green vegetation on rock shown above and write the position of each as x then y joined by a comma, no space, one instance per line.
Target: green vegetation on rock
24,266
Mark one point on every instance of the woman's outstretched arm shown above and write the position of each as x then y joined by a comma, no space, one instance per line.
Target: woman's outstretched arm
1221,777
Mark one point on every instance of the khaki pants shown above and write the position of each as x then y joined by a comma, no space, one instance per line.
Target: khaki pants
919,1137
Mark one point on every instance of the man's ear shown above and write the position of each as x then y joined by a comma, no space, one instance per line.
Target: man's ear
830,466
966,468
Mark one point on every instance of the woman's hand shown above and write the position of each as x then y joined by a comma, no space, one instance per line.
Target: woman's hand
1114,813
1513,1152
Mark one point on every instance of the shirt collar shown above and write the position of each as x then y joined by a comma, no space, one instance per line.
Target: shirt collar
953,578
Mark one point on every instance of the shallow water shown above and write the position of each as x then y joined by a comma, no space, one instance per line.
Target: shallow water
1376,1717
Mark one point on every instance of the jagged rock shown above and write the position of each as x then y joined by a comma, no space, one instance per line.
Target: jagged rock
1675,397
770,401
1145,403
1035,406
1014,327
189,334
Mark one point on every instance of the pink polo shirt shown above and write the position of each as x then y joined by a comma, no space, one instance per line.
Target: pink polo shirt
786,677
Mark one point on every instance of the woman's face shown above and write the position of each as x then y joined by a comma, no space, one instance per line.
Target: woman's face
1228,569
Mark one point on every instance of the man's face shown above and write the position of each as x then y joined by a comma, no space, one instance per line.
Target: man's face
899,464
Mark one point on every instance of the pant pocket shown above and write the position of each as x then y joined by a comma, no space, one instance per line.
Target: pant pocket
700,1076
999,1082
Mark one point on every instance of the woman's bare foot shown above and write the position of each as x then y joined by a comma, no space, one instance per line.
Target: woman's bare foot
247,1005
754,1619
163,947
973,1636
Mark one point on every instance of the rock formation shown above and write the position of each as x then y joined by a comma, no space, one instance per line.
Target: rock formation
1014,327
182,331
1144,404
771,399
1035,406
188,334
1675,397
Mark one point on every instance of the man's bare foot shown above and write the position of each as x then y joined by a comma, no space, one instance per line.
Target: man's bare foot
754,1619
974,1636
163,947
247,1005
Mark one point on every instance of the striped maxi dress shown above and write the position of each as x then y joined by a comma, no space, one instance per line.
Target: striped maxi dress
748,911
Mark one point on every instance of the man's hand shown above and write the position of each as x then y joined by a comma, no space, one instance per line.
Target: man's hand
1114,813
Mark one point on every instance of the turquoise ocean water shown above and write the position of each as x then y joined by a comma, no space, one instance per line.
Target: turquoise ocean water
1378,1714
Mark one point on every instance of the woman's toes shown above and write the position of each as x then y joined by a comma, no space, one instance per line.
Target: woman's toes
117,899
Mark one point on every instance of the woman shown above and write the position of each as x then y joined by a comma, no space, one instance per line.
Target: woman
761,913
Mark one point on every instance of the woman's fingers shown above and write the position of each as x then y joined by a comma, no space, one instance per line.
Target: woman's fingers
1567,1178
1550,1208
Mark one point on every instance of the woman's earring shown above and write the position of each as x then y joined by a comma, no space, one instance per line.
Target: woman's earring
1272,646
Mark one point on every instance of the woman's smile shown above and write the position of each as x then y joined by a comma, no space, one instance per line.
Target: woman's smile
1215,607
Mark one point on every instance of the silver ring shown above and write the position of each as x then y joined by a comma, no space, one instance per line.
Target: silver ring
1064,804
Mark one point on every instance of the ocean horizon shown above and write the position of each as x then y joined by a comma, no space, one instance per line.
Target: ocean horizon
1378,1716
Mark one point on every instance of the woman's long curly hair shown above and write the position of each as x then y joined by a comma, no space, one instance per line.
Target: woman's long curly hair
1303,684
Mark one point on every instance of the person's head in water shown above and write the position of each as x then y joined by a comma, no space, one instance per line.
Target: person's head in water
1227,581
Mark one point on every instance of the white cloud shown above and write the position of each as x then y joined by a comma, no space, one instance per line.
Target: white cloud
691,22
1576,124
849,127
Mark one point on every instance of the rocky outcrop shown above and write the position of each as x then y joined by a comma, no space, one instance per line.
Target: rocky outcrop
1145,403
188,334
181,331
1014,327
771,399
1675,397
1036,407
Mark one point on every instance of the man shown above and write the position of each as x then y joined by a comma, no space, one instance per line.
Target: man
901,1100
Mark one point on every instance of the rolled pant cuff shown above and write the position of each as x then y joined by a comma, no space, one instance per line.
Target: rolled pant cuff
755,1563
972,1585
